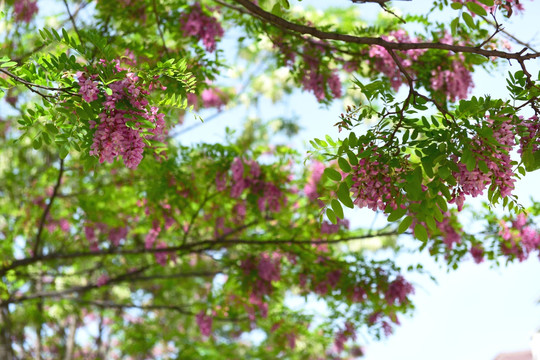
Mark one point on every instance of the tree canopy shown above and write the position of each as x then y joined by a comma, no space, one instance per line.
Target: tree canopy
118,241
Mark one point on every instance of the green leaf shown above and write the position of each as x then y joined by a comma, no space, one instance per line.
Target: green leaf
405,224
344,165
453,26
344,196
8,64
338,210
36,143
477,9
63,152
487,2
332,174
397,214
353,160
531,160
456,6
468,20
420,232
108,91
331,216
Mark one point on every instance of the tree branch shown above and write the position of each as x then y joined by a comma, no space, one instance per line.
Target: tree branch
35,251
362,40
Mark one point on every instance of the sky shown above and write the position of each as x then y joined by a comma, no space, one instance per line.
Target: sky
475,312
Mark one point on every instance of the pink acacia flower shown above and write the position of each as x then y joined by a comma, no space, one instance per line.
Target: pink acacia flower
118,133
204,322
530,138
310,189
24,10
498,163
205,28
375,183
455,82
477,253
102,280
151,237
384,63
88,87
398,291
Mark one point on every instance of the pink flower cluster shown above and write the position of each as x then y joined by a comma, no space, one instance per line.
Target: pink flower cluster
24,10
310,189
499,167
269,195
343,335
267,267
316,81
456,82
113,234
205,28
210,98
520,240
329,228
119,131
398,291
314,76
204,322
384,63
88,87
531,135
375,183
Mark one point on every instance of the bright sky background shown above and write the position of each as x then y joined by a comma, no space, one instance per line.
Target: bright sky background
475,312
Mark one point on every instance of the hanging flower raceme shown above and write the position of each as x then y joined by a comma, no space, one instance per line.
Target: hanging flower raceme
383,61
492,165
455,82
375,183
126,120
24,10
205,28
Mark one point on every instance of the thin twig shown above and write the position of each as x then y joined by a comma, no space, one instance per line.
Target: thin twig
73,21
36,250
158,24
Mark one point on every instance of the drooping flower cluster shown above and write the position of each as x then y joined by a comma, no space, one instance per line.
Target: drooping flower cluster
204,322
24,10
343,335
210,98
384,63
498,169
329,228
375,183
89,88
113,234
520,240
316,80
398,291
530,139
126,115
269,196
455,82
267,269
310,189
314,75
205,28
